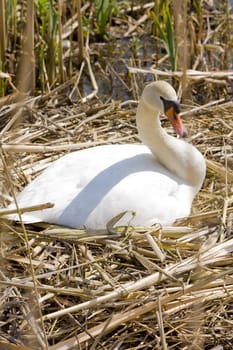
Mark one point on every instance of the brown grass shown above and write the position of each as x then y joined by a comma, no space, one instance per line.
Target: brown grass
158,287
121,288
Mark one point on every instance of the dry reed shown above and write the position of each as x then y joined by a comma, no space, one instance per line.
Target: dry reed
135,284
120,288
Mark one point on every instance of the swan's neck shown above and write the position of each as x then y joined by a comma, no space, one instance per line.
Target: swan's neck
179,157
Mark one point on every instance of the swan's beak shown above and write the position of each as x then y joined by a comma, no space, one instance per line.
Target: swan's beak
173,115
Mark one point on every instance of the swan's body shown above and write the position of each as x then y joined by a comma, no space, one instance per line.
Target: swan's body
158,180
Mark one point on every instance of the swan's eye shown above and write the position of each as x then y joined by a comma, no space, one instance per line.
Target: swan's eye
171,108
172,111
176,107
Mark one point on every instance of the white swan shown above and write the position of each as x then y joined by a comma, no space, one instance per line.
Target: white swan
158,180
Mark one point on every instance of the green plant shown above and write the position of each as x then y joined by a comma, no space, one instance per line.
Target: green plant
164,26
47,48
104,10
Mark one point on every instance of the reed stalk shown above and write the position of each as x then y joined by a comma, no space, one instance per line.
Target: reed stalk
52,52
3,43
26,71
80,33
60,46
3,35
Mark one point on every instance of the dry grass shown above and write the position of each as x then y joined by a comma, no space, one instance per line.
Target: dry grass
121,288
127,288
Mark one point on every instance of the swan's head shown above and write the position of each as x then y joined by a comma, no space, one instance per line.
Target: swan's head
161,97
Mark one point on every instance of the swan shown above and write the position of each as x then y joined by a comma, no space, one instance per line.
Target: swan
157,179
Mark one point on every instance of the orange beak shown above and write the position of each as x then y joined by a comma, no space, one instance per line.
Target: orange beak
174,117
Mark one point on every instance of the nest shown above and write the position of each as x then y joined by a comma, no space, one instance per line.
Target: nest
124,287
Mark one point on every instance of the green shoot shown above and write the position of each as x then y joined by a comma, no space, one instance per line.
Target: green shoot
164,26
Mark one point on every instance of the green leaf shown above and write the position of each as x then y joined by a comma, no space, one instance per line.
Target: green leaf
165,30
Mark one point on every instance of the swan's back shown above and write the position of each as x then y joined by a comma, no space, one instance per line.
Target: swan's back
91,186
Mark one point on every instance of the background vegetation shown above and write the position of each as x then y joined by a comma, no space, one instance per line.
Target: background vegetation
71,73
44,42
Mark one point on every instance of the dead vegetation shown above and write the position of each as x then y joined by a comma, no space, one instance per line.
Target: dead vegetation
123,288
149,287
